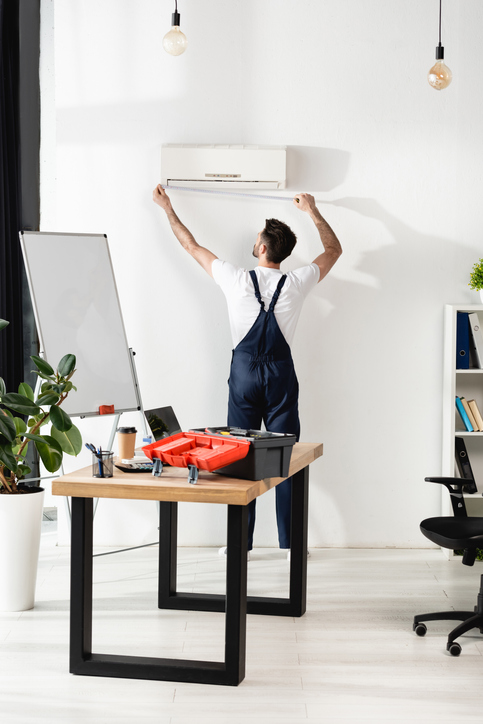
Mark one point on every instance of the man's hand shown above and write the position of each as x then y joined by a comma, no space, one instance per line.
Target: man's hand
161,198
305,202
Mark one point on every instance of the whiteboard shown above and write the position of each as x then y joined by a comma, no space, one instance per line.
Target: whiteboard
77,311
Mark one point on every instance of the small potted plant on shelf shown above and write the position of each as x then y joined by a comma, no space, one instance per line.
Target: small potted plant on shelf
476,278
22,415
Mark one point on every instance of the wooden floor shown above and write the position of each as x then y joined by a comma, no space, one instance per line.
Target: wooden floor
352,658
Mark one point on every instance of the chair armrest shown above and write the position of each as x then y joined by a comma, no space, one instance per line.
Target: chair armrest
456,493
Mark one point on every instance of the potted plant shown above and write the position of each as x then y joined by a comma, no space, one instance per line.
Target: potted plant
22,415
476,278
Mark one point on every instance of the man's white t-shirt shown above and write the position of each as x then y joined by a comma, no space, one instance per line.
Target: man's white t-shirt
243,306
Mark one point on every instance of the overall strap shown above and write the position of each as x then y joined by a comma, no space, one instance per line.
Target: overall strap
257,289
277,293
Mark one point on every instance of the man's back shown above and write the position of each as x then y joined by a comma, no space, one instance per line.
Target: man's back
243,306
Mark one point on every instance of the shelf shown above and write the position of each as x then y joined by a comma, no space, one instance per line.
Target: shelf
466,383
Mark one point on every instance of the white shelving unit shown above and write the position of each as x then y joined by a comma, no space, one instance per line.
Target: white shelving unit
468,384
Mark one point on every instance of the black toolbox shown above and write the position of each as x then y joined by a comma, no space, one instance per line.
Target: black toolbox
268,457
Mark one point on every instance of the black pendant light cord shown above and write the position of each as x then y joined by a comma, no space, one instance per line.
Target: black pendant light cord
440,1
439,48
175,17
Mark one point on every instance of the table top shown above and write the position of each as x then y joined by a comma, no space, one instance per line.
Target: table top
173,483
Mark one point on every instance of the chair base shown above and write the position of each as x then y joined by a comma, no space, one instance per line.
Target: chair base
470,620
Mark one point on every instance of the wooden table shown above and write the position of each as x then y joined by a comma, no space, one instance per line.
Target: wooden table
169,489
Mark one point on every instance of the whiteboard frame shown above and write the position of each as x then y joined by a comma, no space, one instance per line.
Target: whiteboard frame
117,411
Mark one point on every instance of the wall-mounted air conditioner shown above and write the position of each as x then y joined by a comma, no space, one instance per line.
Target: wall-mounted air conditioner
231,167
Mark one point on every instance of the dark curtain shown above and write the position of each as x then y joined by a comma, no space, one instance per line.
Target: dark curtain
11,263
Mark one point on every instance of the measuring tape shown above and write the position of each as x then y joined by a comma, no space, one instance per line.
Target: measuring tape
228,193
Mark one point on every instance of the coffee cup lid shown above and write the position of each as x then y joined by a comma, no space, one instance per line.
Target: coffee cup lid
126,430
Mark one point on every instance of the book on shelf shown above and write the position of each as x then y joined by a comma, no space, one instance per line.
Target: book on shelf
476,414
463,414
469,413
464,466
462,341
476,334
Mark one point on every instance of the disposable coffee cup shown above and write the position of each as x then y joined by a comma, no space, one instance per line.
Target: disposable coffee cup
126,440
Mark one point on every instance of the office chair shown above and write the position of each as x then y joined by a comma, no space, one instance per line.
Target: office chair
460,532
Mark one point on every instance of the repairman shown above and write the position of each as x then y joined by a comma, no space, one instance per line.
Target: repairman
264,306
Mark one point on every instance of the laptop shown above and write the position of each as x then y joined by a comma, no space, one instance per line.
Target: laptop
162,422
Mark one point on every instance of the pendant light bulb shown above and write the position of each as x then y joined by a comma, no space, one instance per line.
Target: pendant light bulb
175,42
440,76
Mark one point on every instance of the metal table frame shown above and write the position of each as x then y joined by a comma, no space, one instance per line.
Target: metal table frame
235,603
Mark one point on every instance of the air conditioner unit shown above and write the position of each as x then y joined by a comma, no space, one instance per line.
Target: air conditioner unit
230,167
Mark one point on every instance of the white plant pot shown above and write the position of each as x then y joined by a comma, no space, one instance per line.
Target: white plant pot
481,295
20,529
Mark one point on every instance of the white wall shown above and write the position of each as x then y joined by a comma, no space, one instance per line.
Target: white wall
396,167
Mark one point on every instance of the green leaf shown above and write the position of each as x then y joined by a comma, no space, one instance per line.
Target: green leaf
8,458
3,389
49,398
66,365
60,419
70,441
3,323
7,427
16,451
34,438
42,364
50,453
22,471
20,425
25,390
44,377
20,403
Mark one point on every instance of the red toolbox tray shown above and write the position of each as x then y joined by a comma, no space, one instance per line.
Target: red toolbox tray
206,452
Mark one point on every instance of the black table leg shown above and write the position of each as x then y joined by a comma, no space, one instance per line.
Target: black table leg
294,605
298,543
236,593
81,583
82,661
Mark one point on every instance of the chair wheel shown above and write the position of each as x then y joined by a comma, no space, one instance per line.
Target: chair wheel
454,648
420,629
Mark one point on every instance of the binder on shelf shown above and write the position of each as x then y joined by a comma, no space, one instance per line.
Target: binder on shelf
477,338
476,414
463,415
462,341
464,466
468,411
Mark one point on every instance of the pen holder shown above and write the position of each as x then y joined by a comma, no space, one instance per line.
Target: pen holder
102,464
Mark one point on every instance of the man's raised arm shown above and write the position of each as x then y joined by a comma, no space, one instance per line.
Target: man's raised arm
330,242
185,237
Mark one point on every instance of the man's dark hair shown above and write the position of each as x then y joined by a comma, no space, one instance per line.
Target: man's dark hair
279,240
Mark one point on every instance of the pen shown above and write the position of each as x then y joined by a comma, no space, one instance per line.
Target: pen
98,454
101,470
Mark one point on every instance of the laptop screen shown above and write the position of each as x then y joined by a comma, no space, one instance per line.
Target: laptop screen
162,422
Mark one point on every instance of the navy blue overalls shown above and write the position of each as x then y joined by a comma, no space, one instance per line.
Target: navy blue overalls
263,386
